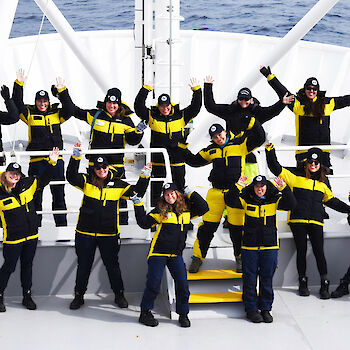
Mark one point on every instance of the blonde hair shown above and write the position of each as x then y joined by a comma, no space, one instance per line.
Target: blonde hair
5,183
181,205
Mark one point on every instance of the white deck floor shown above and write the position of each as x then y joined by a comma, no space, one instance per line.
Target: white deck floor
299,323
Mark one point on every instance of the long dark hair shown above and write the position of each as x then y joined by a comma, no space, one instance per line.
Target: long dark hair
97,181
320,174
310,107
180,206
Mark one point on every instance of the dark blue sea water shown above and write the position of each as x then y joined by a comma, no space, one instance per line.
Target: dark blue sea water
269,17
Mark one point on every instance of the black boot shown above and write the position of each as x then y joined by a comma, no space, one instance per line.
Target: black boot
303,289
195,265
147,318
255,316
2,306
28,301
266,316
77,301
342,289
120,300
184,321
324,290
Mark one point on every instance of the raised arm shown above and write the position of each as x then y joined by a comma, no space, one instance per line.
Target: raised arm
198,204
60,91
18,93
46,176
255,135
73,176
12,115
271,159
288,200
140,102
141,186
133,135
144,220
193,109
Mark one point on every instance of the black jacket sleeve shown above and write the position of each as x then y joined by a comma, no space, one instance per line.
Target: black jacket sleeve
264,114
280,89
44,179
68,107
272,162
194,160
140,104
255,136
341,102
144,220
73,176
220,110
198,205
193,109
11,116
132,138
139,188
288,200
338,205
18,98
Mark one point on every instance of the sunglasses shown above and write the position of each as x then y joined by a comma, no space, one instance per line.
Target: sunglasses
310,88
102,166
244,99
316,162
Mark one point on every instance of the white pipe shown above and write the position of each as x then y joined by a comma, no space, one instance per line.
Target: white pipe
67,33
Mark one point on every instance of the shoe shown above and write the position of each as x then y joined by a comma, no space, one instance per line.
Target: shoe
120,300
239,264
342,289
266,316
2,306
225,224
324,290
255,316
303,289
27,301
77,301
195,265
184,321
147,318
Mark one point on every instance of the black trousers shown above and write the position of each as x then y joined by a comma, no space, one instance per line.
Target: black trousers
315,233
57,191
24,251
85,248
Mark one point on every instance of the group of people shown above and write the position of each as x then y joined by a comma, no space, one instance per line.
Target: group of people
250,199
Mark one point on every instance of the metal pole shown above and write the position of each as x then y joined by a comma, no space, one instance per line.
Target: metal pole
170,45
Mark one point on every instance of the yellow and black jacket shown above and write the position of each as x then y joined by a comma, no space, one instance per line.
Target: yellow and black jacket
44,129
110,132
99,211
170,236
310,194
17,209
260,225
167,131
310,130
228,160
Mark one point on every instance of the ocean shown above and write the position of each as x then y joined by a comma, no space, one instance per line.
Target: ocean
270,17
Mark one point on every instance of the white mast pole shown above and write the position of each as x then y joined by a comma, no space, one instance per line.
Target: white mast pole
67,33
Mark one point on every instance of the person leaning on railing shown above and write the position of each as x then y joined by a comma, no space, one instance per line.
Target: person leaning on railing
167,122
9,117
44,132
306,219
172,216
312,111
98,223
20,224
112,127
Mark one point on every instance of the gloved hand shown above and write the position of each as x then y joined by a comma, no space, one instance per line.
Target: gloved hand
76,151
187,191
147,169
141,126
135,199
269,146
265,71
5,93
54,91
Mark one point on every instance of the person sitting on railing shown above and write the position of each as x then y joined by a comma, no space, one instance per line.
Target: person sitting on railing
227,154
343,288
44,132
167,122
7,118
312,111
306,219
260,243
172,216
98,223
112,127
20,224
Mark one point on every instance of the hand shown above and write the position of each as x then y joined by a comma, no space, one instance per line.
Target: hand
147,169
54,154
135,199
21,75
193,83
150,84
287,100
60,83
242,181
77,149
279,182
208,79
5,93
265,71
269,146
141,126
187,191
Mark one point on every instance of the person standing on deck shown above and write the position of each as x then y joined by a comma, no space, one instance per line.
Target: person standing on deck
167,122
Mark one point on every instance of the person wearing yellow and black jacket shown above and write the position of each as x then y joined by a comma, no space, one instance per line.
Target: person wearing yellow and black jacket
306,219
98,222
312,111
9,117
172,216
20,224
227,154
167,122
112,127
44,132
260,243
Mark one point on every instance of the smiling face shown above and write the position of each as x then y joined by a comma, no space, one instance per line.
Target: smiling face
311,92
170,196
101,171
220,138
112,107
164,109
313,165
244,103
42,104
260,190
12,177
